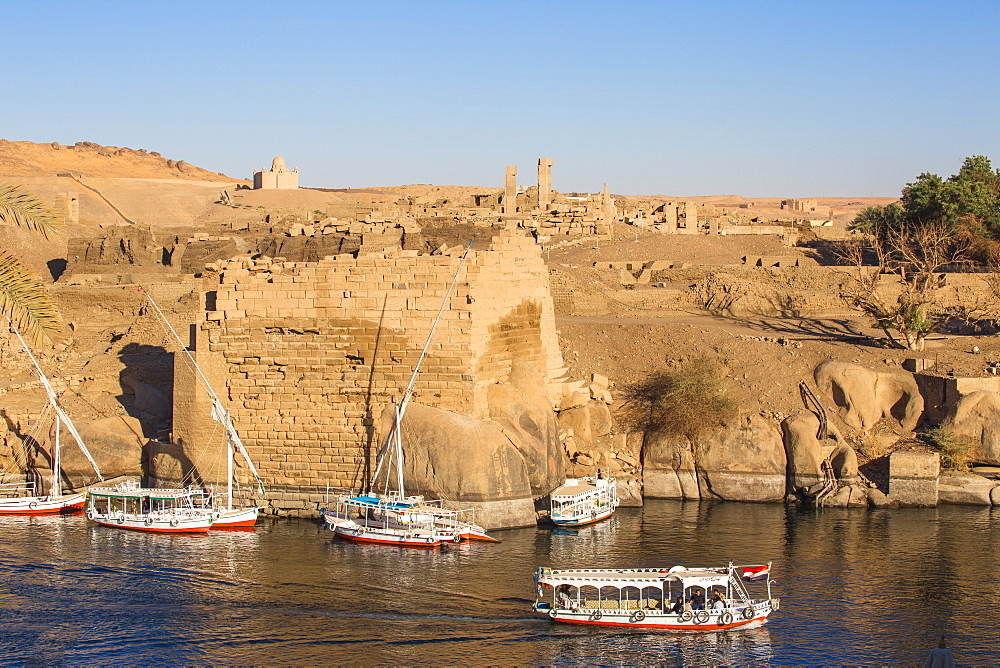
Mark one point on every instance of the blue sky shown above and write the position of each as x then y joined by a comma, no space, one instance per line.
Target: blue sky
779,99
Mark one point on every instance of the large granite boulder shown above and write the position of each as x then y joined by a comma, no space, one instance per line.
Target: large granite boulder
744,461
965,488
466,461
115,443
668,468
863,396
522,410
977,416
803,452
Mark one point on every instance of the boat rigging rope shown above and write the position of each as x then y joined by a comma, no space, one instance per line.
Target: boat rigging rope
408,393
219,413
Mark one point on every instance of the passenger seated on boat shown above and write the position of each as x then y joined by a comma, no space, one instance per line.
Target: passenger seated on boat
678,607
697,600
718,603
565,601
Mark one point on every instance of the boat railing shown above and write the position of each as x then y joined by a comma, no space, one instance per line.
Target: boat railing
26,488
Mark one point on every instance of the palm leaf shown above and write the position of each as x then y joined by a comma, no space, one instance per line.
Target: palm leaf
24,299
24,209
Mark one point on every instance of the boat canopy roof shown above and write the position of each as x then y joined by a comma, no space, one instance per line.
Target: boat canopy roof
374,501
577,488
140,493
637,577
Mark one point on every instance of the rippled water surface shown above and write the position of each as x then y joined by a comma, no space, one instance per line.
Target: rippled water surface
856,587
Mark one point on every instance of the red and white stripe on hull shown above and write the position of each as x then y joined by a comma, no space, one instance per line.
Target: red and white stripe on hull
237,518
165,524
603,515
42,505
368,535
473,535
714,621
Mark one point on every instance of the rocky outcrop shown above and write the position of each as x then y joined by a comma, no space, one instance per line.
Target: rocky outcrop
965,488
521,408
668,467
745,461
863,396
461,459
115,443
802,450
977,416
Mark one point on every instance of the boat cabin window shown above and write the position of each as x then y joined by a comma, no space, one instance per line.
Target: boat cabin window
615,598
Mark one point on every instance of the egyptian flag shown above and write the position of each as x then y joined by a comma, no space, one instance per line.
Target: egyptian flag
757,572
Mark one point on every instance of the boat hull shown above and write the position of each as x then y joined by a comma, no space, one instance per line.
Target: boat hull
603,514
197,524
43,505
237,518
362,534
699,621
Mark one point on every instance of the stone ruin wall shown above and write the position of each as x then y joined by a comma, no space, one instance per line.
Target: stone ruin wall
307,355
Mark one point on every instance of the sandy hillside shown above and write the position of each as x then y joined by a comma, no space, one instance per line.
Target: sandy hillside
25,158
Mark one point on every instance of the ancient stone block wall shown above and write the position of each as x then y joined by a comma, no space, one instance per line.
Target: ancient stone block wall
307,355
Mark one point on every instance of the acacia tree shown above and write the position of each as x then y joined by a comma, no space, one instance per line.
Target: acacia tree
913,254
23,297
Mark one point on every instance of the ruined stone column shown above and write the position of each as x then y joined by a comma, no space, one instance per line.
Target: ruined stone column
510,190
544,182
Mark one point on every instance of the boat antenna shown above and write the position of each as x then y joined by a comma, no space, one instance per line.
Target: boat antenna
53,400
219,412
393,437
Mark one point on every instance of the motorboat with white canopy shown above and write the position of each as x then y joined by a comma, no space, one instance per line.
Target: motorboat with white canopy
675,599
582,501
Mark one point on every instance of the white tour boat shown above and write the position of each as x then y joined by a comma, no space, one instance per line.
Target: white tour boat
581,501
21,498
158,510
225,514
678,599
387,521
391,517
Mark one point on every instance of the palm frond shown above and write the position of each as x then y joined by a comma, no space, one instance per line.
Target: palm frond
24,299
23,208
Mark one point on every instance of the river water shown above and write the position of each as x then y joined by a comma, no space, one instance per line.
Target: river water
871,587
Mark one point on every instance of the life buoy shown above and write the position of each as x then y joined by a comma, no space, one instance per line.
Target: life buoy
174,521
686,616
149,521
33,505
726,617
361,530
747,613
597,614
457,538
91,514
553,612
120,517
701,617
637,616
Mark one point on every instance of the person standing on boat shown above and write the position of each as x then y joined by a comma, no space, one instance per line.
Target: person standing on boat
940,656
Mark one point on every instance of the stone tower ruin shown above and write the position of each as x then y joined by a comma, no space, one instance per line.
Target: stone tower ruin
308,355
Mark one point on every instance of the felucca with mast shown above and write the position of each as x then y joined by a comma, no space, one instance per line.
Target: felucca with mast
391,517
225,515
21,498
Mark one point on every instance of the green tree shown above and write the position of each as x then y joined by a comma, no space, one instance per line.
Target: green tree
969,199
23,297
